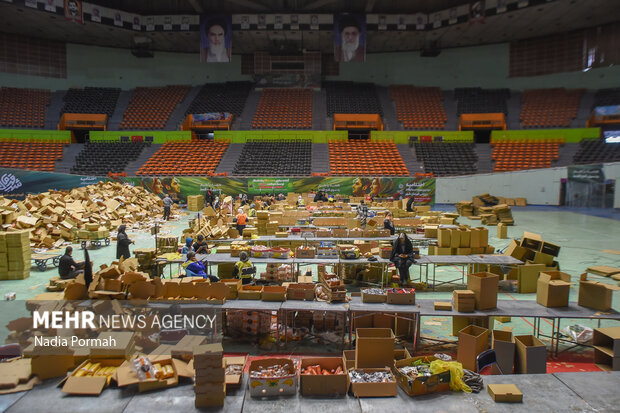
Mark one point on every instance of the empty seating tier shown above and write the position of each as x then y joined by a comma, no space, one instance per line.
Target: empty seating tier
351,97
100,100
549,108
35,156
99,158
477,100
150,107
596,150
526,154
221,97
446,158
353,158
419,107
185,158
284,109
281,158
23,108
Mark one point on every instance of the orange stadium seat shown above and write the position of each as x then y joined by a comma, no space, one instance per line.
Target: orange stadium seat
549,108
150,107
525,154
23,108
284,109
35,156
185,158
351,158
419,107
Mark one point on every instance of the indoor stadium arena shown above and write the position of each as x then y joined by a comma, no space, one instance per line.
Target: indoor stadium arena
309,205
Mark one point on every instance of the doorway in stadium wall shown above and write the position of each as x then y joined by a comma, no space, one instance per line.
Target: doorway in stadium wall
482,135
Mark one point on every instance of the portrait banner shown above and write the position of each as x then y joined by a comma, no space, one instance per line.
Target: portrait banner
349,37
215,38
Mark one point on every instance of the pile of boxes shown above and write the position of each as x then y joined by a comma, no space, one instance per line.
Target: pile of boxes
538,256
167,245
54,216
15,249
461,241
195,203
210,379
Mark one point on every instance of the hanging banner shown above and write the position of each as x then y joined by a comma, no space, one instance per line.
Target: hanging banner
73,11
420,21
501,6
50,5
118,19
476,12
203,117
611,110
95,14
349,37
30,3
215,38
17,183
586,173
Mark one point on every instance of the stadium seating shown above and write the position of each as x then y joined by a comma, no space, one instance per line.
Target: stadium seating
35,156
549,108
101,100
284,109
221,97
596,150
525,154
419,107
150,107
23,108
607,97
351,97
99,158
280,158
477,100
359,157
185,158
447,158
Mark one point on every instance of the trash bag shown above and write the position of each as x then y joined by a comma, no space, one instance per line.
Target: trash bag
456,374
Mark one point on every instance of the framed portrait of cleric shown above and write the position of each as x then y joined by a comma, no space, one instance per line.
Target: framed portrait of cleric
215,38
349,37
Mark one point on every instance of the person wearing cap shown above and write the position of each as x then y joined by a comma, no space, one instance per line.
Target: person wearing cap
122,244
349,49
252,211
201,246
67,267
241,220
243,262
195,268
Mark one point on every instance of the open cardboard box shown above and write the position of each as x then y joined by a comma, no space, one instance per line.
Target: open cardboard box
553,289
484,285
300,291
273,293
250,292
389,389
233,287
184,349
324,385
374,347
125,345
270,387
401,298
421,385
126,376
501,342
373,298
90,385
233,381
531,355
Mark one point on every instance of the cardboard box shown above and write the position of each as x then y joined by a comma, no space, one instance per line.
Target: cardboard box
484,285
443,306
502,343
542,258
55,363
464,301
531,355
305,252
502,231
374,348
125,375
431,231
422,385
184,349
250,292
271,387
89,385
273,293
401,298
348,358
300,291
373,298
389,389
465,236
527,277
473,340
463,251
443,251
553,289
340,233
505,393
594,294
455,238
233,287
324,385
124,347
233,381
444,237
515,250
606,343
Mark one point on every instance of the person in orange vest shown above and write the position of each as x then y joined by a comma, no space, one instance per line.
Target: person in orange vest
241,220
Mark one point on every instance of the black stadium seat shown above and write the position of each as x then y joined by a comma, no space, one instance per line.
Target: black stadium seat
281,158
99,158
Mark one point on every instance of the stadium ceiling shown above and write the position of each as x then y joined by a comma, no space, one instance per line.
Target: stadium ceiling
543,19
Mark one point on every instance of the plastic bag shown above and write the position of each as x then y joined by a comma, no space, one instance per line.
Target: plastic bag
579,333
456,374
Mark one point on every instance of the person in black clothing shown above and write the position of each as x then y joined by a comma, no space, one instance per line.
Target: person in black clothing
122,244
388,224
201,246
209,197
67,268
402,256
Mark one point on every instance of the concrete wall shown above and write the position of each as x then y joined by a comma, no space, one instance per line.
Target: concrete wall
538,186
485,66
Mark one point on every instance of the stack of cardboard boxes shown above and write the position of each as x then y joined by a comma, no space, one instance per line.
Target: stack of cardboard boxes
17,255
210,380
195,203
262,219
461,241
538,256
4,260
